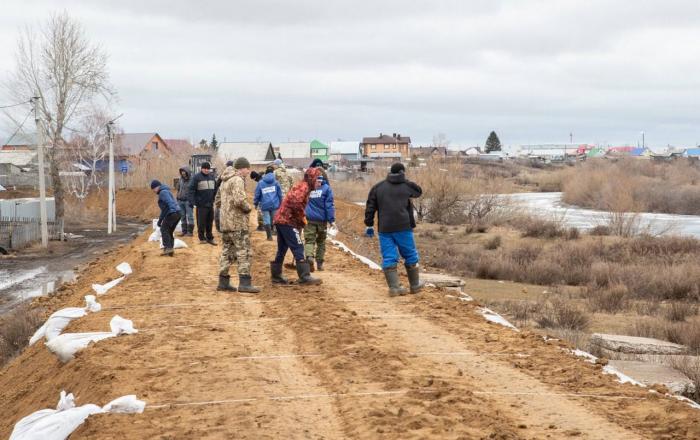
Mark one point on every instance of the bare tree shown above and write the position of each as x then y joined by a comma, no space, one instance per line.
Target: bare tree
89,148
57,63
440,140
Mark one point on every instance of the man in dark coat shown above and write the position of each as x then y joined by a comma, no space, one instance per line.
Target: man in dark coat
183,199
390,199
169,216
202,193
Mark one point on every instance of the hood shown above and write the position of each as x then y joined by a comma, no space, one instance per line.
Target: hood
228,173
163,187
396,178
187,171
269,178
310,177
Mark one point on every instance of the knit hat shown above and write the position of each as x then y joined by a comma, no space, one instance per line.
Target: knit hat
269,169
254,175
316,163
205,166
155,183
397,168
277,162
241,163
229,163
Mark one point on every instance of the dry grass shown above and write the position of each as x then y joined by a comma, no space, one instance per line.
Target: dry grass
634,185
16,327
685,333
610,299
559,314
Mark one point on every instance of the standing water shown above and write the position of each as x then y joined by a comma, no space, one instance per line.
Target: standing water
550,205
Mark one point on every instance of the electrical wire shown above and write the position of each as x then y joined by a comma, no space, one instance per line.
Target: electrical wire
19,128
14,105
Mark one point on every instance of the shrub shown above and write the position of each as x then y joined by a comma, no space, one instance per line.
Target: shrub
600,230
559,314
16,327
493,243
610,299
541,228
573,234
678,312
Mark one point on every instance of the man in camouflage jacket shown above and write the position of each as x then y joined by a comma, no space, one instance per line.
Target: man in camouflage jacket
235,228
283,178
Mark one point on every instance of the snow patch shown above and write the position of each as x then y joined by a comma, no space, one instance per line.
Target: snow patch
608,369
363,259
494,317
22,277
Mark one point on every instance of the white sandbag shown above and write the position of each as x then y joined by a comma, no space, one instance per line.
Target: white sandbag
155,235
101,289
125,405
178,227
59,423
124,268
179,244
155,224
60,319
121,326
332,231
67,344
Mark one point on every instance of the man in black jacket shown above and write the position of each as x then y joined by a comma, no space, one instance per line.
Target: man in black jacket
391,200
202,193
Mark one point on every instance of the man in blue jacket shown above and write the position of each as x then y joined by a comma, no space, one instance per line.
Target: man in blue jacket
268,197
169,215
320,211
390,199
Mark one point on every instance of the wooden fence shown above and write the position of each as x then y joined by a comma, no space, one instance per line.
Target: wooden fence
16,233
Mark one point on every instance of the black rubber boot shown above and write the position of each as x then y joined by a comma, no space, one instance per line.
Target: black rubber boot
310,261
183,231
319,265
168,252
245,286
260,228
304,272
190,230
392,280
276,272
413,272
268,231
225,284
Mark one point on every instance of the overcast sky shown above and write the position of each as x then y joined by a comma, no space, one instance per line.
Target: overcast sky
533,70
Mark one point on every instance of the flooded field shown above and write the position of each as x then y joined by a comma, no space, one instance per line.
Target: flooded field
33,272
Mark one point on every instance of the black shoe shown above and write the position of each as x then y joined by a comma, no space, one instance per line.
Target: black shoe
413,273
202,241
268,232
319,265
212,242
310,261
276,273
245,286
304,272
392,280
168,252
225,284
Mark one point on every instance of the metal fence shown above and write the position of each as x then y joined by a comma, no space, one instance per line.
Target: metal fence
16,233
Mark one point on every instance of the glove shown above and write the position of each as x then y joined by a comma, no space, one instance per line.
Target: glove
369,232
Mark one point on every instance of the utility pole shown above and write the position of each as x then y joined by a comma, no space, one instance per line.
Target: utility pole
42,181
571,138
111,204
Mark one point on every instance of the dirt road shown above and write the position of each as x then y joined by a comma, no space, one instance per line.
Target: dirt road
340,360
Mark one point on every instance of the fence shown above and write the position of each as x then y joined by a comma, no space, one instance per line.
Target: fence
16,233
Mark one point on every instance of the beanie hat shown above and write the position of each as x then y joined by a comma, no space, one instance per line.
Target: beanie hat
254,175
229,163
397,168
316,163
241,162
269,170
278,162
206,166
155,183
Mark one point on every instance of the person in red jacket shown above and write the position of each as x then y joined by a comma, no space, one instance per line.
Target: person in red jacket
290,221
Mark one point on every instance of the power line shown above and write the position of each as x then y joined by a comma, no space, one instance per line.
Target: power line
14,105
18,128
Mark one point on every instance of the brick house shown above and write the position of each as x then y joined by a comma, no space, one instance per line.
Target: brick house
386,146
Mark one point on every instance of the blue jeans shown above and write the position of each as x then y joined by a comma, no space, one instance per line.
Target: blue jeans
187,214
268,216
393,244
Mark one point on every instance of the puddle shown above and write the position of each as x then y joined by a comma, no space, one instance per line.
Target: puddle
31,284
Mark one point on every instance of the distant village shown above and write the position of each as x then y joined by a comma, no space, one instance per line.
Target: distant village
18,156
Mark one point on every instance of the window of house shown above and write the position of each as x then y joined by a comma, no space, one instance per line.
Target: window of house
154,146
374,146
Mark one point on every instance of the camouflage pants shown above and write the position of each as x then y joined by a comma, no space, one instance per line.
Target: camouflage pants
260,216
236,248
315,240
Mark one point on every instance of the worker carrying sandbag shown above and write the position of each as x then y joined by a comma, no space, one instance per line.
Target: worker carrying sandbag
235,228
391,200
169,215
